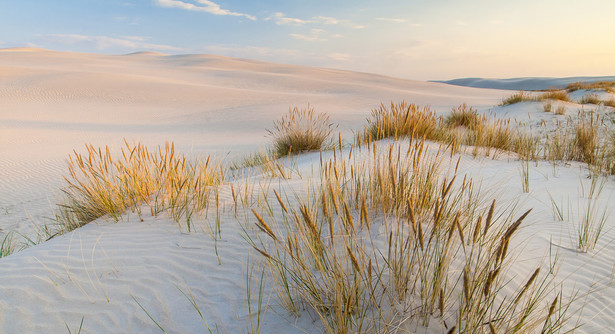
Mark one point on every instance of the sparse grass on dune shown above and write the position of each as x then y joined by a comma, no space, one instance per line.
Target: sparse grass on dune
517,98
443,263
300,130
586,140
609,103
408,120
562,95
559,110
100,184
590,99
401,120
522,96
465,116
592,217
608,86
385,242
266,162
554,94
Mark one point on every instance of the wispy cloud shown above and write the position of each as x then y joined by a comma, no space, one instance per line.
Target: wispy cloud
201,6
398,20
282,19
339,56
316,35
105,42
390,19
333,21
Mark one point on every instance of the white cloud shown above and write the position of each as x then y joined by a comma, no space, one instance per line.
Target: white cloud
308,38
105,42
281,19
314,36
339,56
201,6
390,19
333,21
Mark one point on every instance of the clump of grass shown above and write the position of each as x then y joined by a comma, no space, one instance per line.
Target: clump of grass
100,184
561,110
300,130
586,140
609,103
590,99
401,120
547,107
555,94
522,96
518,97
464,116
600,85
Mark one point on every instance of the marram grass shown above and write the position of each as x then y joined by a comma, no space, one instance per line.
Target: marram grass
300,130
100,184
443,262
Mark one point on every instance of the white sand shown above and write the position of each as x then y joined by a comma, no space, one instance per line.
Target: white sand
54,102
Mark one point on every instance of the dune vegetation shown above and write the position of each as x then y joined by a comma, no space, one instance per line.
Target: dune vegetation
563,94
387,237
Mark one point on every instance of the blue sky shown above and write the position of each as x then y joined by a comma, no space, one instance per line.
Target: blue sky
414,39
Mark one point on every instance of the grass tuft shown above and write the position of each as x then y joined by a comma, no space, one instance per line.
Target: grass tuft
518,97
464,116
590,99
555,94
401,120
299,131
100,185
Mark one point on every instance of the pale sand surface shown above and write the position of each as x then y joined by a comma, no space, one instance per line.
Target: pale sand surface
53,102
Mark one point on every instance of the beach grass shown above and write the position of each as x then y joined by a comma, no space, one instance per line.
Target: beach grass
608,86
386,237
590,99
443,262
300,130
102,185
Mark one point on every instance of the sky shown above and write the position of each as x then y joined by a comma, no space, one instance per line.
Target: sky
411,39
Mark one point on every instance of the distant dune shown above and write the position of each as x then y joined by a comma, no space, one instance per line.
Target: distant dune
529,83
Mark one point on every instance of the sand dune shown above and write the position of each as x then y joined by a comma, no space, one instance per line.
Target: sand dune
53,102
115,276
